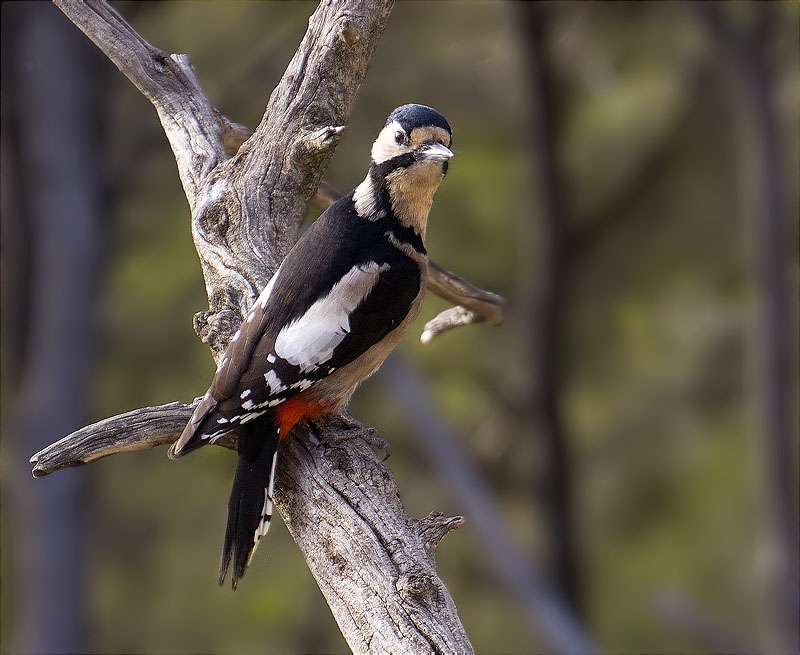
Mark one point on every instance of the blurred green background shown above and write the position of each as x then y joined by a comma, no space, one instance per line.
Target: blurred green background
626,176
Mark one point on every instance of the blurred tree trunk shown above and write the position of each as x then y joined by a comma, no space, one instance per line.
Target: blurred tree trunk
52,205
550,245
772,349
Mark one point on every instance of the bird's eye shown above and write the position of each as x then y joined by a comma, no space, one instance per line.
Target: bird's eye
399,136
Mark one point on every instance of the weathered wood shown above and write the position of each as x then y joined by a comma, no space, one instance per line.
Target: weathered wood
140,429
349,513
248,195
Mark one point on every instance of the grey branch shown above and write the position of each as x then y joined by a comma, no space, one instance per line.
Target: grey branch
140,429
472,305
248,194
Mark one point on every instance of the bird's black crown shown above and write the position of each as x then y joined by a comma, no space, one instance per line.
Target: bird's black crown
411,116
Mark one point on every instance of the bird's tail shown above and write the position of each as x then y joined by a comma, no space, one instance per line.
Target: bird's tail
250,505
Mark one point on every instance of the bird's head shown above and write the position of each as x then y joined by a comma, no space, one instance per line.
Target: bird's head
409,160
414,136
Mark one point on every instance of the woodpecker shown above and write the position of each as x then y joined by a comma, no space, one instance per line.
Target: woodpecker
336,307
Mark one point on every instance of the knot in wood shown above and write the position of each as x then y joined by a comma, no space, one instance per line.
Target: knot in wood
349,32
418,586
161,60
335,558
214,221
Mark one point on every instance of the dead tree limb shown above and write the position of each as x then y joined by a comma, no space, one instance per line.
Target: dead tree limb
247,195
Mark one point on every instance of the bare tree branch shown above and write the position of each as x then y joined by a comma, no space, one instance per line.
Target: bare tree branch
478,305
246,211
140,429
168,81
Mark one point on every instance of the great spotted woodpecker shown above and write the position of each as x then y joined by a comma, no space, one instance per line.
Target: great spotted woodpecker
336,307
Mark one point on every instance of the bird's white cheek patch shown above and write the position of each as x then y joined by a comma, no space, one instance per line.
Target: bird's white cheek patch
311,339
385,147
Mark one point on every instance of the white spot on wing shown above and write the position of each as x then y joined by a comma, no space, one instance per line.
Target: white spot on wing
301,384
271,358
274,382
312,338
247,404
245,393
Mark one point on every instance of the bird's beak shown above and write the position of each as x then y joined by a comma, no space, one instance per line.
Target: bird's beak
435,152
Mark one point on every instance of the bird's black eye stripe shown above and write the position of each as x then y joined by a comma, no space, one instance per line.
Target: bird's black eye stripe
382,169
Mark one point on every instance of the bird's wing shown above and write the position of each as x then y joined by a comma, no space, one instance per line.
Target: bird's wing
319,312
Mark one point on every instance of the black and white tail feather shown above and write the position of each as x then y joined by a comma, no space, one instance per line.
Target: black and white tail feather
250,504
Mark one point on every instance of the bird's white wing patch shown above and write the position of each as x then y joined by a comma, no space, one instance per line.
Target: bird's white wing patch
311,339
